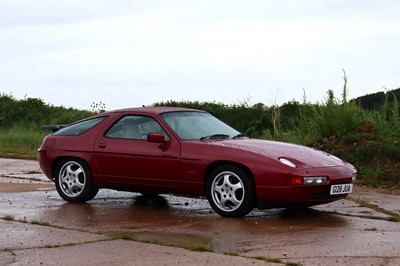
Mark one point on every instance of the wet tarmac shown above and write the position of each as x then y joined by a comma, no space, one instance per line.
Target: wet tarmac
37,227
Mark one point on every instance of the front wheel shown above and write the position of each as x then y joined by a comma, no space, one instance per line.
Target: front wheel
74,181
230,191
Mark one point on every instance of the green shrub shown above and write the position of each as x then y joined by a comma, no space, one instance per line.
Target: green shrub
366,137
391,151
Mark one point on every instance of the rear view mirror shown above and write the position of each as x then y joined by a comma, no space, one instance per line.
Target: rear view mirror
155,138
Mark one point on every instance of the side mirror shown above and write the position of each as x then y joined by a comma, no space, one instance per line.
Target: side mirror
155,138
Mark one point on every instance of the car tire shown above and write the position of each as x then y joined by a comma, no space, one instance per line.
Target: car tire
230,191
74,181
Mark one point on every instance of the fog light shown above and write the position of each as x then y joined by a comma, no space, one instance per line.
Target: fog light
315,180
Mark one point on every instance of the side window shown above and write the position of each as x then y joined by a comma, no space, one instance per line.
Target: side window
79,127
135,127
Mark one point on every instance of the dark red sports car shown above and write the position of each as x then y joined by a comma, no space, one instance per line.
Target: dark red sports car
185,151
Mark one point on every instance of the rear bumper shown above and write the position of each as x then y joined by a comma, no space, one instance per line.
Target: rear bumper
45,164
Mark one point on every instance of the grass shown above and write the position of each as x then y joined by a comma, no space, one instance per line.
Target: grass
367,138
275,260
231,253
25,221
51,246
40,223
19,142
392,216
370,176
8,218
32,172
63,245
200,247
267,259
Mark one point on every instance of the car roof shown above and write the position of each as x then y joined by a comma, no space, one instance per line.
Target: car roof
153,110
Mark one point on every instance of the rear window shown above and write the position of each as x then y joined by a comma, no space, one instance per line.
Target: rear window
79,127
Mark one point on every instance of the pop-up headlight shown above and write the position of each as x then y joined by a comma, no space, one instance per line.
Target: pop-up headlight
287,162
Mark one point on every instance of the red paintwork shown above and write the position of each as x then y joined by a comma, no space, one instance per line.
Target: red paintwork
182,166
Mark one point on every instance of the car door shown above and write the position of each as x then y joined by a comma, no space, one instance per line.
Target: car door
125,157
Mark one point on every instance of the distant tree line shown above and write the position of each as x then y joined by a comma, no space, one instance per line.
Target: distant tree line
304,120
376,100
33,112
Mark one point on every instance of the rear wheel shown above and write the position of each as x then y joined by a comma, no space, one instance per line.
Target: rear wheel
74,181
230,191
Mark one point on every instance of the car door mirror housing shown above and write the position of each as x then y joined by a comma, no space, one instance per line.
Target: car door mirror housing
155,138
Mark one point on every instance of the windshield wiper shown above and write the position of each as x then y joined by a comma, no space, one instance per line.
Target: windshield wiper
215,136
241,135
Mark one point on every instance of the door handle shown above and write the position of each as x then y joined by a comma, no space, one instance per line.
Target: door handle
102,144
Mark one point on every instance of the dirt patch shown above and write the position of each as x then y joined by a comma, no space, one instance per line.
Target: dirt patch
14,187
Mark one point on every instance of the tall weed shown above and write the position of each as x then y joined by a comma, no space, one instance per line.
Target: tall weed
21,141
368,138
335,117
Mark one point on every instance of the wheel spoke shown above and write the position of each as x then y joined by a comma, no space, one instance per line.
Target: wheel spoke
77,172
70,189
223,202
235,202
236,187
79,185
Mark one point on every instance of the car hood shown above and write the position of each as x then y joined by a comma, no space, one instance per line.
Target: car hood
302,156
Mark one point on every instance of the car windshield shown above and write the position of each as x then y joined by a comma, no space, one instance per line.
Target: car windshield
198,125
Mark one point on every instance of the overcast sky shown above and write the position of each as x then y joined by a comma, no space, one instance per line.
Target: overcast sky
128,53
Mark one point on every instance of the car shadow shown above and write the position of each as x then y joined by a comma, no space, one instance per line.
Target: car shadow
152,201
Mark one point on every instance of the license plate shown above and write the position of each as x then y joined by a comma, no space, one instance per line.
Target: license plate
341,189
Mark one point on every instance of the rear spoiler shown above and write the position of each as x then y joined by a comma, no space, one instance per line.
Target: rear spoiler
53,128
